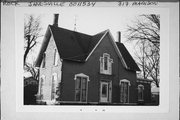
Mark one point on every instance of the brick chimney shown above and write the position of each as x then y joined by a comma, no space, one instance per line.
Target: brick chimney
119,36
55,22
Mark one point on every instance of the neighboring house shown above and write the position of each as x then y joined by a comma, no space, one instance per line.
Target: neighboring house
144,91
30,90
155,95
79,68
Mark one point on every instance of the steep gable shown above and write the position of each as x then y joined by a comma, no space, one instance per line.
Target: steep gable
71,45
121,51
79,47
43,47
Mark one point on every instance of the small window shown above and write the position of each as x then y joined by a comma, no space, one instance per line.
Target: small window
106,64
44,60
140,92
55,57
54,86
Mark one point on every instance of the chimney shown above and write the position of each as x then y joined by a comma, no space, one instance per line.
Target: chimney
119,36
55,22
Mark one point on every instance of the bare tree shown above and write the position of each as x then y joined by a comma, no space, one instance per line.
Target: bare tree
146,33
32,31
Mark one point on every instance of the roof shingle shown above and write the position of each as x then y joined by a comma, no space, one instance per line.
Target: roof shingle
131,64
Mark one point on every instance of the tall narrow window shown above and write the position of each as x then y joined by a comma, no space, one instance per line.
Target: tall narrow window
124,91
140,92
81,87
42,80
106,64
44,60
54,85
55,57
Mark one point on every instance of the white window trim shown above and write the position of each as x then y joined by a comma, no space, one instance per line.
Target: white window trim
81,75
84,76
129,84
140,85
109,60
125,80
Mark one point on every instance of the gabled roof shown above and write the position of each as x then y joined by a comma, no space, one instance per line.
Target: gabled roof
78,47
131,64
71,45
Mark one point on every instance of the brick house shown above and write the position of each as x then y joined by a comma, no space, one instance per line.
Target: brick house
89,69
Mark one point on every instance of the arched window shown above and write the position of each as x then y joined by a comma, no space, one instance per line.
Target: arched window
124,91
140,92
106,64
81,85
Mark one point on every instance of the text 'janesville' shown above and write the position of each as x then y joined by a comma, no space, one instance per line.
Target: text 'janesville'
62,4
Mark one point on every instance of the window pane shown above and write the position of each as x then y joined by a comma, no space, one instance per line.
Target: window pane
121,92
104,90
53,89
84,82
44,60
81,89
55,57
124,92
78,83
83,95
77,94
101,64
140,92
41,85
105,63
110,68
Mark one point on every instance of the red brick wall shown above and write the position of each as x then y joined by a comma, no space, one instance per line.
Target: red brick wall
92,68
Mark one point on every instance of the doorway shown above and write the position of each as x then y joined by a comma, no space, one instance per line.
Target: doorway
105,92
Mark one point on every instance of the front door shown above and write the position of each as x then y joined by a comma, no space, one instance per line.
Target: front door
105,92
